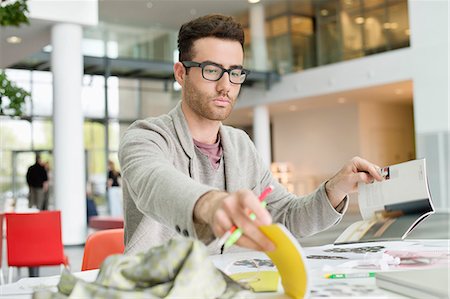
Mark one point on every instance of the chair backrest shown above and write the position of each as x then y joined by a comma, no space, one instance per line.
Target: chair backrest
34,239
100,245
1,238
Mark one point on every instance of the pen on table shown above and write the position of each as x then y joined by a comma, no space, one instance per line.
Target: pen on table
234,233
349,275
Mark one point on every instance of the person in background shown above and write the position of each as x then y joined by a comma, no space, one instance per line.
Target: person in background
91,207
114,190
49,182
185,173
37,181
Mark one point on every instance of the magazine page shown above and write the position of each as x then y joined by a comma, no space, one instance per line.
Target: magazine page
393,207
404,188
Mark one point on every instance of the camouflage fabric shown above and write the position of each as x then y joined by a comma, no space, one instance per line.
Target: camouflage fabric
178,269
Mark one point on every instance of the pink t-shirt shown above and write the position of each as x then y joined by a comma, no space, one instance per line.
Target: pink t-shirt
213,151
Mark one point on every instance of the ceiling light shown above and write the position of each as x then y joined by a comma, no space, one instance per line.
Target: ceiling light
359,20
349,2
394,25
387,25
253,1
341,100
407,31
149,5
14,40
398,91
293,108
324,12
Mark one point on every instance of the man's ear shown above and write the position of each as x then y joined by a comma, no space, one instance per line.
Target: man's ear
179,71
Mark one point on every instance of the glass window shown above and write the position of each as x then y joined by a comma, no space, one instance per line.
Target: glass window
15,134
42,98
302,25
42,134
114,136
154,100
279,26
352,25
94,135
128,98
5,177
113,97
279,51
93,96
375,40
21,77
397,27
329,41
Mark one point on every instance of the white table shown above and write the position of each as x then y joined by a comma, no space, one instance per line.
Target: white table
336,288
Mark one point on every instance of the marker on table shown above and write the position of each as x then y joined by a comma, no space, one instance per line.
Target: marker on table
349,275
232,235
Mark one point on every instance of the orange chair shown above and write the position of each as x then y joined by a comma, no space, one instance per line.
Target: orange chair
33,240
100,245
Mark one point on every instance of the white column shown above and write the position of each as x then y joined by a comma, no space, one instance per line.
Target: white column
261,119
258,37
69,160
429,30
261,132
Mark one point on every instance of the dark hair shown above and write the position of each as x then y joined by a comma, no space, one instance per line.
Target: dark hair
214,25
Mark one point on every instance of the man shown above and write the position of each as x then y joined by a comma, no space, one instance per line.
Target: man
186,173
37,181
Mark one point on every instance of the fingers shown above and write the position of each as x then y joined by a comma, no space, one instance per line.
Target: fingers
371,169
247,242
235,210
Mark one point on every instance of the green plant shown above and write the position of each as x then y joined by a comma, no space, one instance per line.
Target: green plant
14,95
13,13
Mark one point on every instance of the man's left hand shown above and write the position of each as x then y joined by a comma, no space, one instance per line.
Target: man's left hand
347,179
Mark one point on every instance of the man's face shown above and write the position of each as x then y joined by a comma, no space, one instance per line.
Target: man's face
213,100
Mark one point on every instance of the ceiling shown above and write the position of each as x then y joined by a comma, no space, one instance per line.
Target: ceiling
169,13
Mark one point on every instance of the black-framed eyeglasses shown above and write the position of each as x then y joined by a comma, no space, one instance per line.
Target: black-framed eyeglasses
213,72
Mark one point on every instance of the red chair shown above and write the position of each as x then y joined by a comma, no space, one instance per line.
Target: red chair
100,245
33,240
2,279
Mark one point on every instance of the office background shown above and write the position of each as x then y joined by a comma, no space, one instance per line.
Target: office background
331,80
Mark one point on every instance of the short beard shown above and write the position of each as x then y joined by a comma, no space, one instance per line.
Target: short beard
199,102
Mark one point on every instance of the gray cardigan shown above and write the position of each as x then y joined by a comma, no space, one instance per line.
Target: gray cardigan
161,187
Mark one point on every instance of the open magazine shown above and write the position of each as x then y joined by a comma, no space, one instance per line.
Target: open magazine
393,207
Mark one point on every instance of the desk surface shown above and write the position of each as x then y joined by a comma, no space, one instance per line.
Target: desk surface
317,266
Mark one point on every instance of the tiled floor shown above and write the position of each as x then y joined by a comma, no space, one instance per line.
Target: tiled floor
434,227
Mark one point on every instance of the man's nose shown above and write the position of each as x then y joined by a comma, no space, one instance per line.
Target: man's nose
224,83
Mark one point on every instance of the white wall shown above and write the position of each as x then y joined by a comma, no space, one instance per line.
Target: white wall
316,141
429,22
386,132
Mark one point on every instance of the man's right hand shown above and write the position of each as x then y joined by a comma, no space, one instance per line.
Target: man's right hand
221,210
